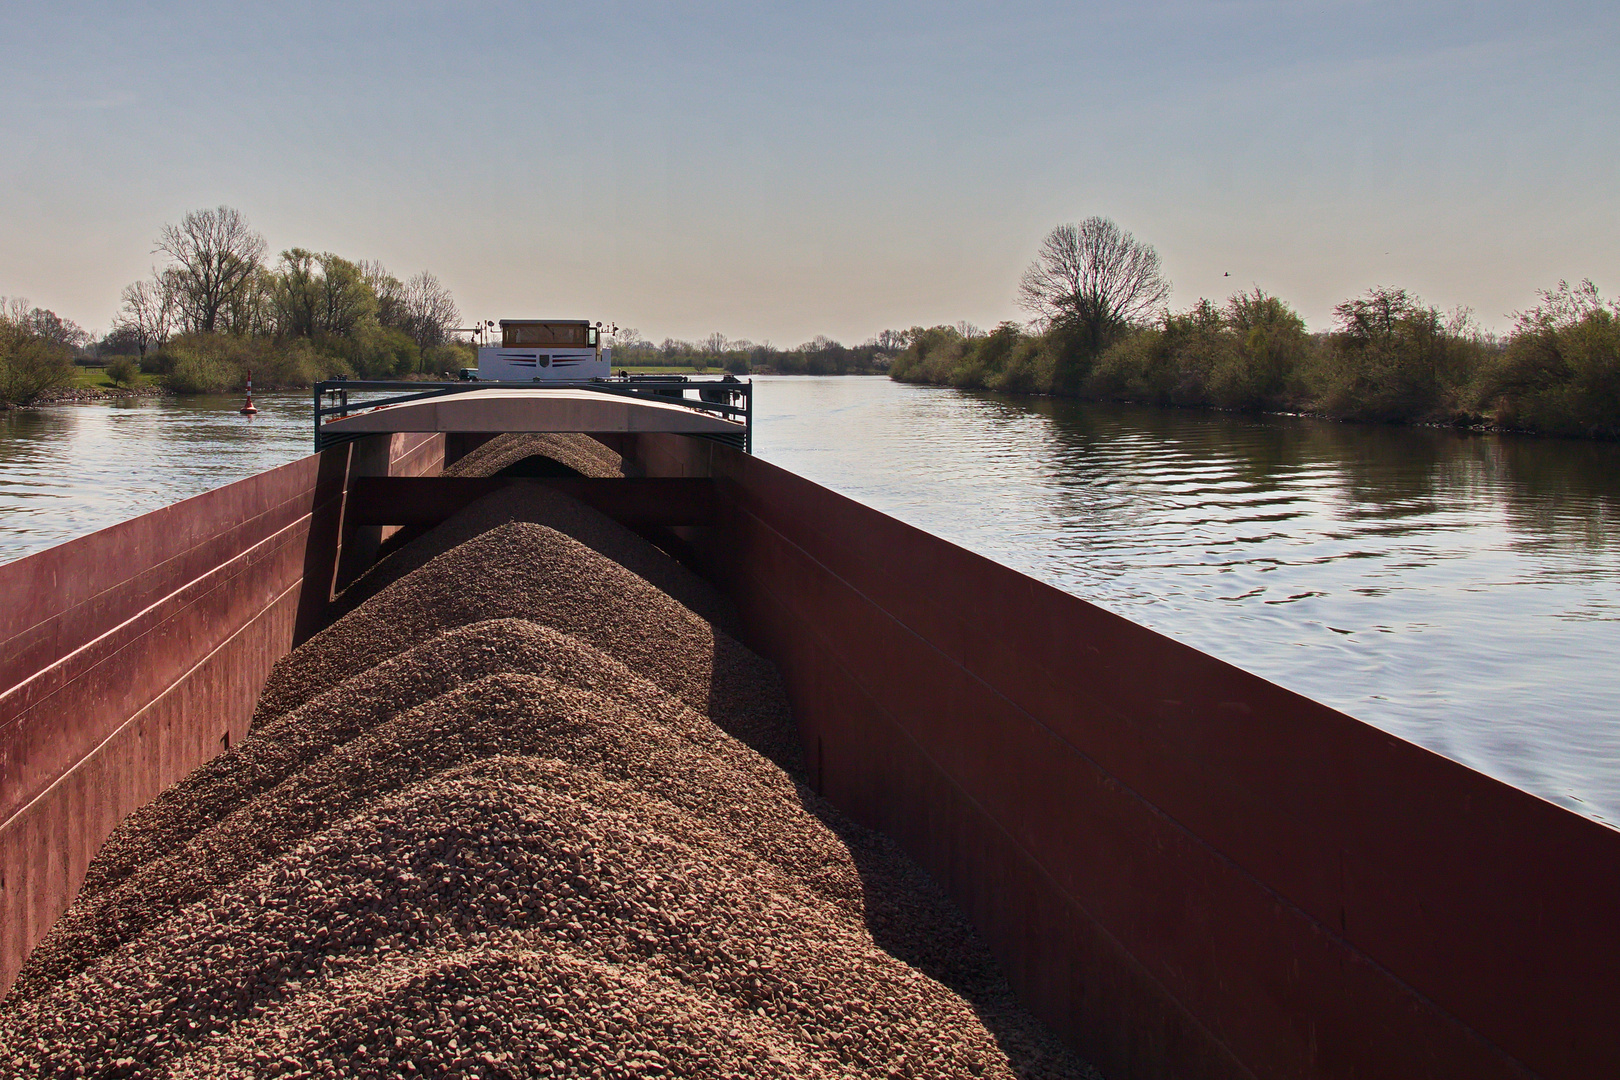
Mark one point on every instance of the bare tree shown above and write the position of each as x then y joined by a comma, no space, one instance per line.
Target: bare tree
249,310
430,310
49,327
1096,277
148,312
1381,314
894,340
217,258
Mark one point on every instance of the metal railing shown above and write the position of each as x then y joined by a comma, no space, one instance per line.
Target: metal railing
729,398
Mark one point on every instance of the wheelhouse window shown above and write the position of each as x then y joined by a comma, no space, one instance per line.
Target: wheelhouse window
547,333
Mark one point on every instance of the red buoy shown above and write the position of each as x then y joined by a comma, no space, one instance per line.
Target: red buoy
247,408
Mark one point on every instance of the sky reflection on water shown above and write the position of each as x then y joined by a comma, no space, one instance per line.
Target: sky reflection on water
1459,590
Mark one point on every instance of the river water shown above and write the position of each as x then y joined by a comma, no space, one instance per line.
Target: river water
1459,590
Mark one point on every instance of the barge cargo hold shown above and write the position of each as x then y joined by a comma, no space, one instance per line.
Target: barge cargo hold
1183,869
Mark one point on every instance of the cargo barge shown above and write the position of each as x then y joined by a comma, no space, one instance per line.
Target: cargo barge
1183,869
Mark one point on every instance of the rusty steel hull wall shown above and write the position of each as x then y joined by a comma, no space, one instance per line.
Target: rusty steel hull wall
130,656
1188,871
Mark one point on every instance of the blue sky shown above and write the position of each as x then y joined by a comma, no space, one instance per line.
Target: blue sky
778,171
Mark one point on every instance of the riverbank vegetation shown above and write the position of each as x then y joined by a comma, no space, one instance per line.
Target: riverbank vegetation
819,356
219,308
36,351
1101,331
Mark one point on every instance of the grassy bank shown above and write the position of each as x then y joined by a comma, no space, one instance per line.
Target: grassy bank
219,363
36,367
109,377
1390,358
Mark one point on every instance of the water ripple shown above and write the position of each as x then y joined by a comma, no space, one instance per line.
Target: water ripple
1461,591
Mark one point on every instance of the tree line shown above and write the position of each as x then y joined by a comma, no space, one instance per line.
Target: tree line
1101,331
218,306
819,356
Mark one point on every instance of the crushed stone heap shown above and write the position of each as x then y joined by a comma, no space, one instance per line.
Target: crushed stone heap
555,454
519,814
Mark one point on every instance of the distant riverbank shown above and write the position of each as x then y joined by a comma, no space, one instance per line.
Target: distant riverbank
1390,359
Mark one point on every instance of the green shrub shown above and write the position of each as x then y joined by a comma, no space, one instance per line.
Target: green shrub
1245,355
1264,368
1390,358
985,359
449,357
1029,368
192,374
1394,359
1169,364
215,363
378,352
1060,361
121,370
204,363
932,357
294,364
34,356
1560,372
29,366
1072,352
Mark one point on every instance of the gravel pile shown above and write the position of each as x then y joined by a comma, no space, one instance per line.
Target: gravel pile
508,819
576,454
542,506
527,571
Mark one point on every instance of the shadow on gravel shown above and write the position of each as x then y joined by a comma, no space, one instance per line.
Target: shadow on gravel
908,914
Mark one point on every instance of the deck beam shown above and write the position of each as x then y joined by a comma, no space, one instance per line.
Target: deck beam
427,500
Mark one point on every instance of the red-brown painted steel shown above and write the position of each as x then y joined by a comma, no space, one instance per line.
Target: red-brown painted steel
1188,870
130,656
398,454
428,500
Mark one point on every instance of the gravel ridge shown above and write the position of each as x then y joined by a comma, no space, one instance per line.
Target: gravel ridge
528,571
578,453
542,506
181,847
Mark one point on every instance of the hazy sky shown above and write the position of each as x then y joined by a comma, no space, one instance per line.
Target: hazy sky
777,171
